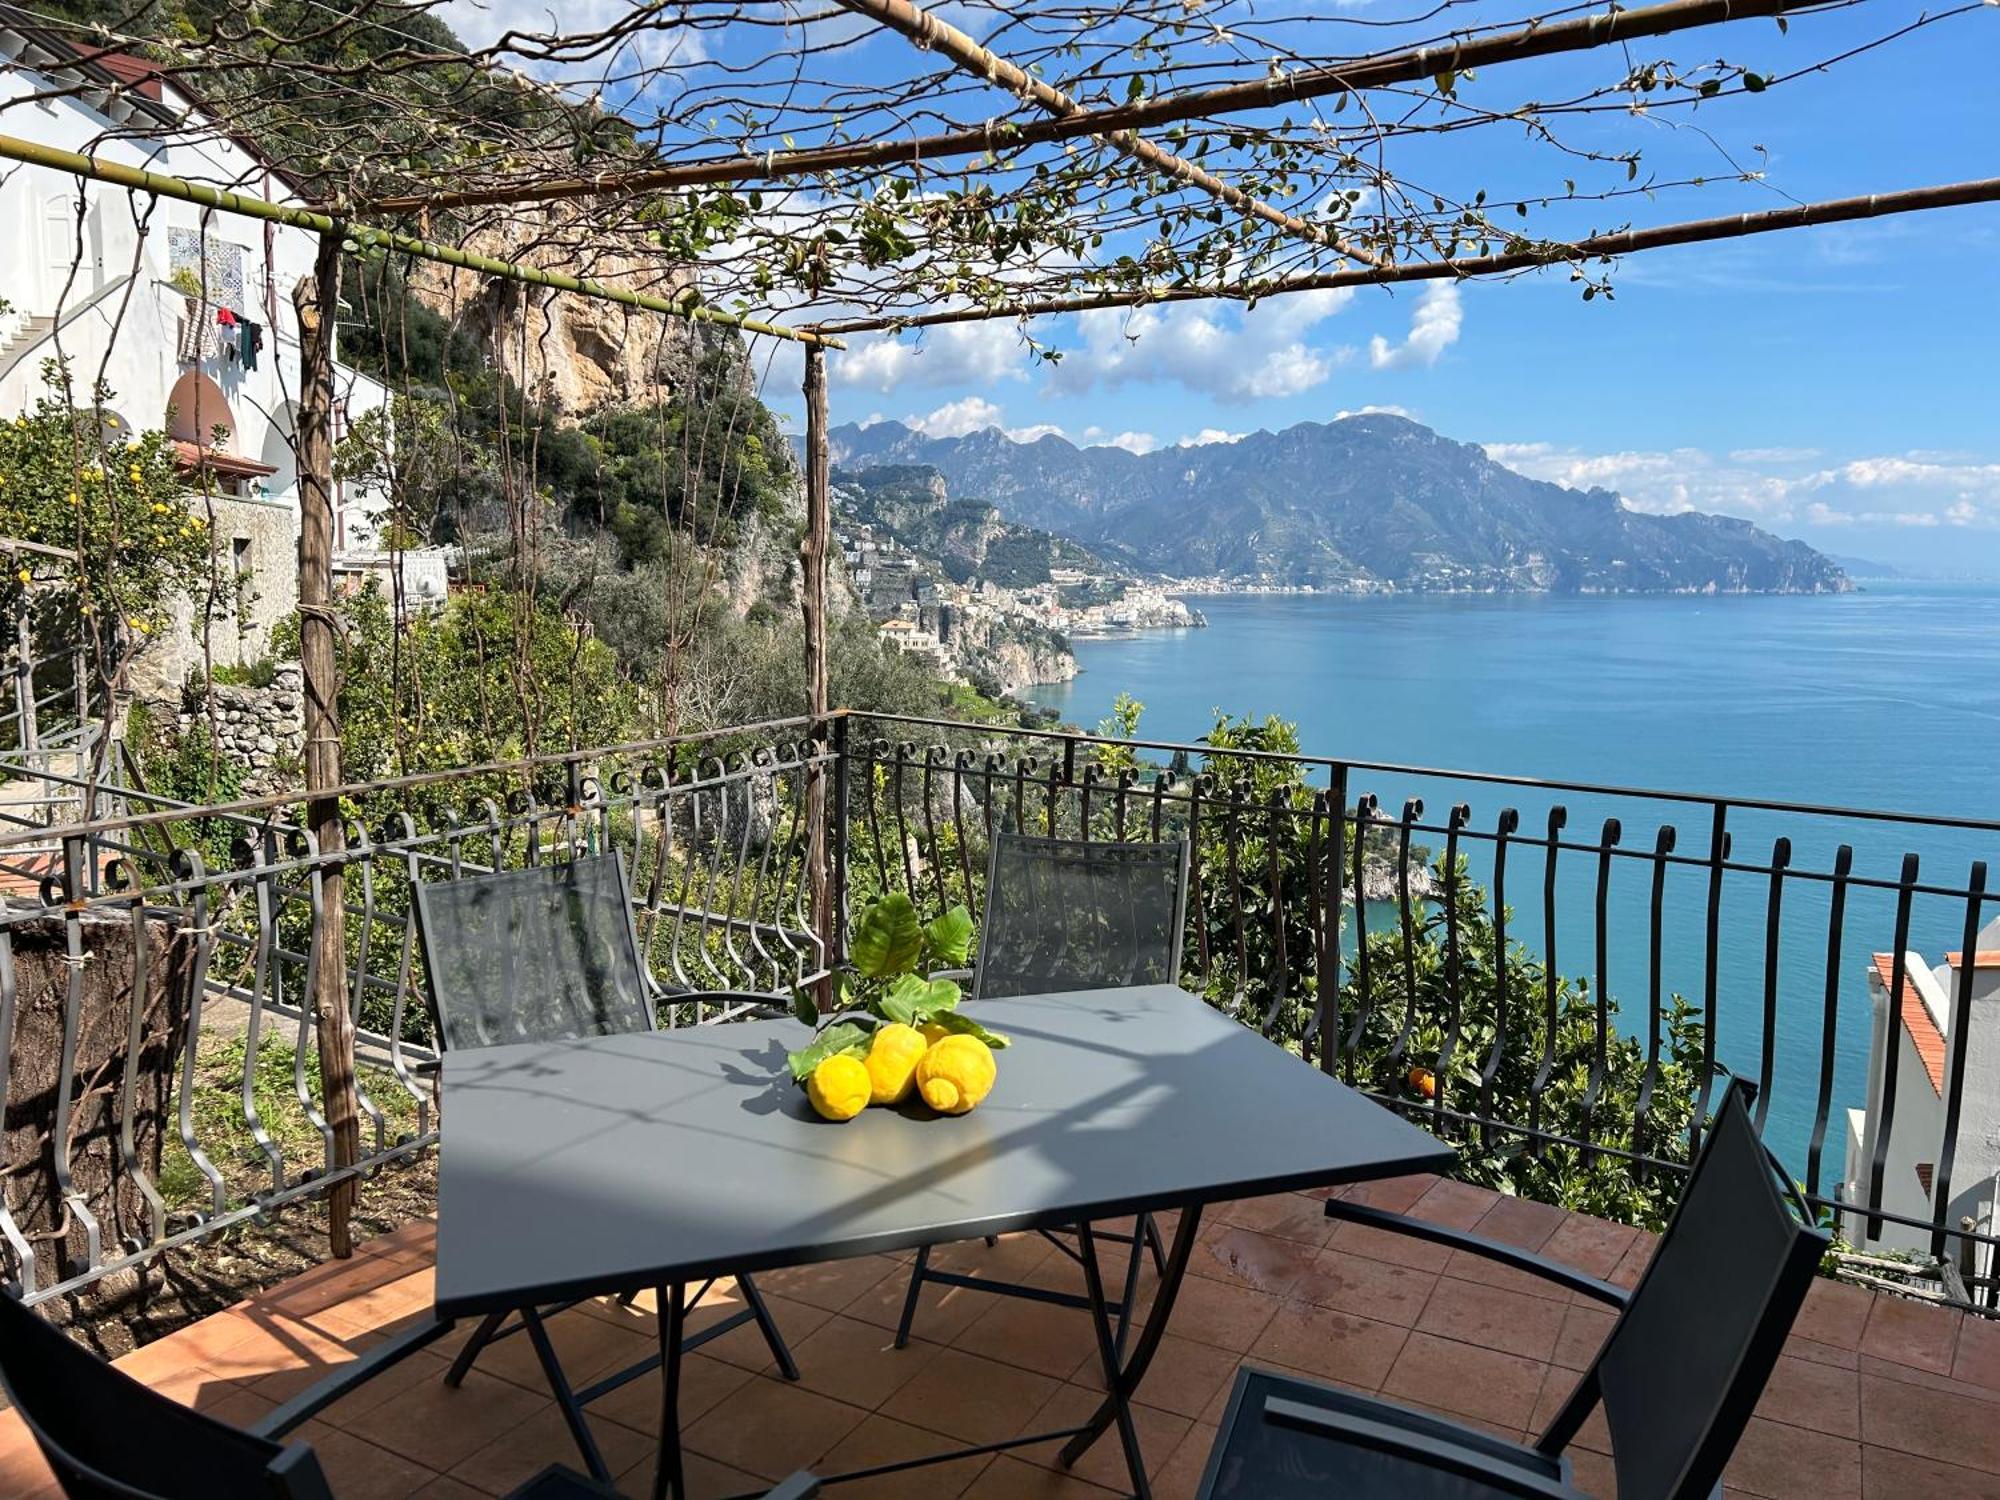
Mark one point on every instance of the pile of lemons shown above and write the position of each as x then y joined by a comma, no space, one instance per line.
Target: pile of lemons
949,1071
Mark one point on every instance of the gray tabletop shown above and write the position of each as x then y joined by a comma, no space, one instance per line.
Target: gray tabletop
617,1163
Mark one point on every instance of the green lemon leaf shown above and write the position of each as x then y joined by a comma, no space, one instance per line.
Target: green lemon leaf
964,1025
804,1007
940,997
949,938
846,1037
888,940
903,1000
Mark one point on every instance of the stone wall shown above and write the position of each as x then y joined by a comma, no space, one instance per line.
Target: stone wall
260,729
257,540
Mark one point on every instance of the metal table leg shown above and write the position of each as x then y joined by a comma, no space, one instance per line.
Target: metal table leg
1121,1379
672,1317
566,1402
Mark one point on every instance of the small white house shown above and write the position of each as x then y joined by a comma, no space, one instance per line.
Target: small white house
1917,1024
185,313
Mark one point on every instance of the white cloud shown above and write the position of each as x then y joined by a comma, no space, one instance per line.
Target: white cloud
1385,409
957,418
1034,432
956,354
1434,328
1774,485
1232,354
1210,435
1135,442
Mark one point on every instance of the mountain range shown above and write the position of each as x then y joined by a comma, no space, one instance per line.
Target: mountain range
1368,502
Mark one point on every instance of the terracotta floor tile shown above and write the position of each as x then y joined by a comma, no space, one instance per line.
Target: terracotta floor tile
1634,1261
1889,1475
1160,1433
1353,1351
974,1400
1475,1382
1010,1260
421,1368
1221,1313
1592,1246
1821,1397
1011,1479
1395,1195
705,1384
587,1345
771,1427
1245,1257
1039,1336
706,1479
1493,1318
1834,1313
1355,1283
530,1446
1521,1222
1460,1205
1184,1377
442,1427
1583,1332
745,1345
446,1488
1912,1333
1389,1246
357,1469
1933,1424
831,1284
1592,1473
883,1440
382,1305
1291,1216
943,1312
1789,1463
1181,1475
859,1362
1978,1359
23,1471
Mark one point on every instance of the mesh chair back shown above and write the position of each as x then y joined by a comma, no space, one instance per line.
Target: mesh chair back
1069,914
1685,1364
544,954
107,1437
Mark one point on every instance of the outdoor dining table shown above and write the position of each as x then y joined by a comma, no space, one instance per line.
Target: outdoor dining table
659,1159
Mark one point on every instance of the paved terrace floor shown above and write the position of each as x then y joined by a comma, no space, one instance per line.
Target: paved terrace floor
1875,1396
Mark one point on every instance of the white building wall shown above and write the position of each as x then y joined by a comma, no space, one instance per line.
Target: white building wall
87,269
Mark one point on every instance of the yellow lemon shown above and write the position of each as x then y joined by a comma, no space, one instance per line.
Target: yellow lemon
935,1032
955,1074
892,1062
839,1087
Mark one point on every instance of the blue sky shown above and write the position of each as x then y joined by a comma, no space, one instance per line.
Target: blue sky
1836,384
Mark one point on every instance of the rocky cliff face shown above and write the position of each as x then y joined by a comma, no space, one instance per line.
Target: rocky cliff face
579,352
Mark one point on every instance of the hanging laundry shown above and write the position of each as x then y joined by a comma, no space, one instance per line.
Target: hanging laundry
225,317
250,344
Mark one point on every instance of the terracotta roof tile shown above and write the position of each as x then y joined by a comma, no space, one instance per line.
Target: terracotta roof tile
1924,1033
1985,958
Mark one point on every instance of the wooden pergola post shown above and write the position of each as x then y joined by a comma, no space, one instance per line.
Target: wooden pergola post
813,549
316,299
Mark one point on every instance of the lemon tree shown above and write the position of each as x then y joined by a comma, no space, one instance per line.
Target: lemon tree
116,532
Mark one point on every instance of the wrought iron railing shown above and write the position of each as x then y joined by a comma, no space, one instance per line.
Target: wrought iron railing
1497,957
159,1073
1556,973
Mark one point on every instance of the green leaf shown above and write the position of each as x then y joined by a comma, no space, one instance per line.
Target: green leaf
848,1036
913,999
949,938
888,940
804,1007
964,1025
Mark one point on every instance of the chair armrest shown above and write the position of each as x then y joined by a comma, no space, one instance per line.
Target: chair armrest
310,1402
801,1486
1433,1450
1472,1244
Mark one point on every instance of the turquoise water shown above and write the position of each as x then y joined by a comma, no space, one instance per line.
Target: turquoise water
1888,698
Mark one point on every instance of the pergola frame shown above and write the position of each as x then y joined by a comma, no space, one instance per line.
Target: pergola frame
1057,118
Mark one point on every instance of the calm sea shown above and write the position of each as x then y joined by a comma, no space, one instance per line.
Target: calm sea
1888,698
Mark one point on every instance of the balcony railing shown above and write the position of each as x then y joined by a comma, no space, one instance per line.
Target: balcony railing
1552,974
